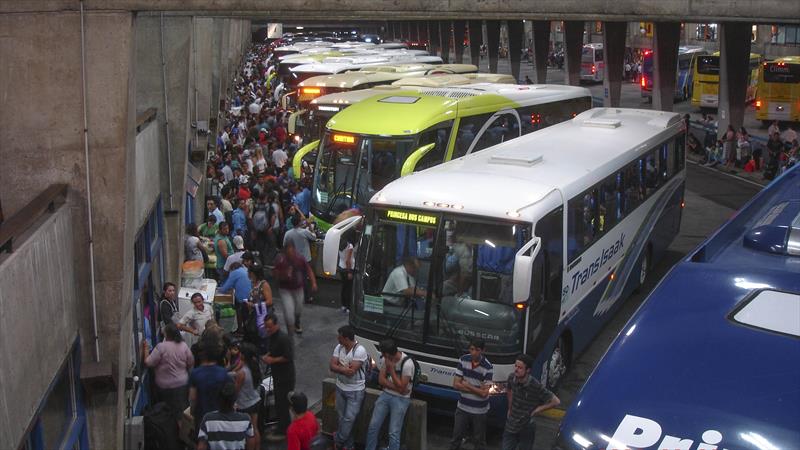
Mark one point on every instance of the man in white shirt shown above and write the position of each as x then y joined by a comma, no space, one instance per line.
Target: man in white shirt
401,282
279,157
395,377
236,257
348,363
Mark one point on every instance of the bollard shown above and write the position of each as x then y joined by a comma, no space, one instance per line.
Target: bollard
415,427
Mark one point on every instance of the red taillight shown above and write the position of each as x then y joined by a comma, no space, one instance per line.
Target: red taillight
758,104
594,69
644,82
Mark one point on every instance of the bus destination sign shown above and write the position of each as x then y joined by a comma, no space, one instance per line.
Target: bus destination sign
410,217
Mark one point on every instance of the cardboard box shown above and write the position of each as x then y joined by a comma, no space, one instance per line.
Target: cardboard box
223,299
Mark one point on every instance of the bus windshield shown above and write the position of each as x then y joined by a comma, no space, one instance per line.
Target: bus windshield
587,55
708,65
781,73
351,168
464,268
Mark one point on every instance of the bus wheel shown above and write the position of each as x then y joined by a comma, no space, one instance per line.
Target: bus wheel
556,366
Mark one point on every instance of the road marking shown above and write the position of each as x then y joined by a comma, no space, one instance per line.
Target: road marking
553,413
760,186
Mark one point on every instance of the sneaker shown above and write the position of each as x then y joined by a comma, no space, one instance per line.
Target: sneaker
344,310
298,330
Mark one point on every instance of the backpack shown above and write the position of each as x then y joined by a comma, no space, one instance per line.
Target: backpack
367,366
160,427
415,377
261,217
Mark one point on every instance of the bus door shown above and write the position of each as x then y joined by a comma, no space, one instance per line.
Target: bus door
500,127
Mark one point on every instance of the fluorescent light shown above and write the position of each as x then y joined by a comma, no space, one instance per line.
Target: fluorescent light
489,243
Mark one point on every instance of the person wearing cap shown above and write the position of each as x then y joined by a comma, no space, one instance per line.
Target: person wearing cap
239,281
304,427
225,428
236,256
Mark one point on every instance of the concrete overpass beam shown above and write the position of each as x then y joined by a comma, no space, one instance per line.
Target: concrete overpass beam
459,27
445,35
666,37
541,48
475,41
493,43
573,41
434,39
734,67
614,34
516,35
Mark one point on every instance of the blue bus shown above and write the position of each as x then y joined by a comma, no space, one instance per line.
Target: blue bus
684,75
531,244
711,360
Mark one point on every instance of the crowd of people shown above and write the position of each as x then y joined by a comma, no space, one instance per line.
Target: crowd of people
735,149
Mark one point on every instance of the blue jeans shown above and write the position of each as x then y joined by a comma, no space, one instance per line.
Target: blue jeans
396,408
348,404
522,439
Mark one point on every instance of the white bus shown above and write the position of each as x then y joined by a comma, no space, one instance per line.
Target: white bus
531,245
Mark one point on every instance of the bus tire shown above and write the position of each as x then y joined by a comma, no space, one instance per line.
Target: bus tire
556,366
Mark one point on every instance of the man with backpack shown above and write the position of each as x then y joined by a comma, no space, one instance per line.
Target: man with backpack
397,370
351,365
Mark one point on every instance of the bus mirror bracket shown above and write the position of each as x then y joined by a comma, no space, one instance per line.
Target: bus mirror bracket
523,269
330,249
411,162
297,161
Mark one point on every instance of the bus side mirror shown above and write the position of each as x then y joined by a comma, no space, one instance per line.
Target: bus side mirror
411,162
330,249
523,269
297,161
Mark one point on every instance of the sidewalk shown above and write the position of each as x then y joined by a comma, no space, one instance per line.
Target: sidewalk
694,158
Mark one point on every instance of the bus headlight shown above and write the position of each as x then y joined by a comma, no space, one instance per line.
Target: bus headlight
497,387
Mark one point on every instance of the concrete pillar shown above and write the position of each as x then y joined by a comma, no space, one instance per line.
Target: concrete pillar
418,26
203,61
666,37
459,27
445,36
614,34
475,41
493,43
541,48
390,32
734,62
43,79
434,37
516,34
407,31
176,68
573,43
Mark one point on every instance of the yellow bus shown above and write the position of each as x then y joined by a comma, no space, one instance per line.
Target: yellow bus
705,86
779,90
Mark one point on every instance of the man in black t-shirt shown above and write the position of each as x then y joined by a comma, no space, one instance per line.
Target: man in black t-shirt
280,357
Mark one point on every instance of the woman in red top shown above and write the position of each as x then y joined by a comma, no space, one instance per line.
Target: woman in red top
304,427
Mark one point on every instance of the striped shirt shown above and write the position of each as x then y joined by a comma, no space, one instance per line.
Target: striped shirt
526,395
475,376
225,431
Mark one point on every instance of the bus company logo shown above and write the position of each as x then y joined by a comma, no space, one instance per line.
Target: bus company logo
641,432
478,334
581,277
774,68
440,371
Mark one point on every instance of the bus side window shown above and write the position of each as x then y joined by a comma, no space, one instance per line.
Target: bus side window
667,163
468,128
439,134
607,204
651,173
680,152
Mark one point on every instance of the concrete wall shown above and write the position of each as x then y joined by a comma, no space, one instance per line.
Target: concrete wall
42,318
147,172
42,135
765,11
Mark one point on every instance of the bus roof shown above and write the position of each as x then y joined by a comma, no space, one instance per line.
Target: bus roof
718,341
410,111
562,157
383,74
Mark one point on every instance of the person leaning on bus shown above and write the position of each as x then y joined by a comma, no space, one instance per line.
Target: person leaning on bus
402,284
